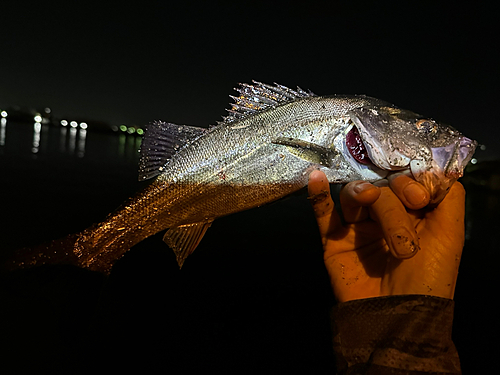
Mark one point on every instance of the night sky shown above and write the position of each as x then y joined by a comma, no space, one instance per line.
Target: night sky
148,60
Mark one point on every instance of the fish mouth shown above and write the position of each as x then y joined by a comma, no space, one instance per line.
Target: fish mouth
356,147
437,174
358,154
447,166
367,151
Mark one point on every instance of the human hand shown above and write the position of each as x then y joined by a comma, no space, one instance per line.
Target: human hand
390,243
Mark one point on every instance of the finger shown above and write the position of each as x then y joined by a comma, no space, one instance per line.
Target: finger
450,212
321,200
413,195
355,198
398,230
449,216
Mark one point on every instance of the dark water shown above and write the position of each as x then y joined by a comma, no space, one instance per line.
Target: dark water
255,292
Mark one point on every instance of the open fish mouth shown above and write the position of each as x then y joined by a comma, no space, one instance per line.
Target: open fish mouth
356,147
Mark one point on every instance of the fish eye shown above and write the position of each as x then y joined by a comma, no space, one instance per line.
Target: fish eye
426,126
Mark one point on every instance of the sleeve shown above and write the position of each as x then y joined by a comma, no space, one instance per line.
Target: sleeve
408,334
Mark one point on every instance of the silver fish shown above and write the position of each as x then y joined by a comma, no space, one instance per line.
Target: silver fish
273,138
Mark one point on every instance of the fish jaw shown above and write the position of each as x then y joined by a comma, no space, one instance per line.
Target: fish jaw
398,139
447,166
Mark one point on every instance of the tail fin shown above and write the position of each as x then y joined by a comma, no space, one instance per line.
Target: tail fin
54,252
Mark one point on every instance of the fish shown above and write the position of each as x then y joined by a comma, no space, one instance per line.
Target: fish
264,149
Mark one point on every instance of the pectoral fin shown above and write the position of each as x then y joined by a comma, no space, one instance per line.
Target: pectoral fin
184,239
308,151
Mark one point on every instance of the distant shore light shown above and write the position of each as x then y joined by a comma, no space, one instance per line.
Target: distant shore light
73,124
83,125
38,118
4,114
64,123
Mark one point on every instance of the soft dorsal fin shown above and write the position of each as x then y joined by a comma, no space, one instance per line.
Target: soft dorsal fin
260,96
184,239
161,141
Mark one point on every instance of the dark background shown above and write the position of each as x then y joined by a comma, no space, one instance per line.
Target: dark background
254,296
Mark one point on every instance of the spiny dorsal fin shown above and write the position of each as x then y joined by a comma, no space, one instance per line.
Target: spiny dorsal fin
184,239
260,96
161,141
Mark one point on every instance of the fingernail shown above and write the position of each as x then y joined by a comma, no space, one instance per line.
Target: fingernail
414,194
362,186
404,245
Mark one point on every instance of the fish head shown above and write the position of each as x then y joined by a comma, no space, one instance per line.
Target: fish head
396,139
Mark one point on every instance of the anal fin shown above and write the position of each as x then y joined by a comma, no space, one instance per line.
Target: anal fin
184,239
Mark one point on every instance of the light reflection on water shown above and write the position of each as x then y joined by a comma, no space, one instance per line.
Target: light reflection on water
72,140
47,139
128,144
81,143
37,127
3,124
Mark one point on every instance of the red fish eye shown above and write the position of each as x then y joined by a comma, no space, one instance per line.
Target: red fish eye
356,147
